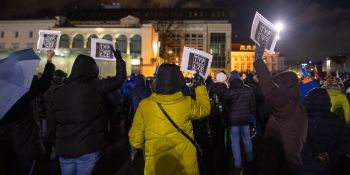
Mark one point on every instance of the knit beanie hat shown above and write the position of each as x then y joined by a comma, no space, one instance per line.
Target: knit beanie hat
221,77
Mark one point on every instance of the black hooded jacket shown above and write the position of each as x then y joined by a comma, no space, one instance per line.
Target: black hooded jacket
326,134
286,129
239,101
77,118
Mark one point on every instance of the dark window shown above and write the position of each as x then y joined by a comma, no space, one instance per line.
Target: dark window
31,34
64,41
218,48
16,34
135,46
78,41
88,44
2,34
121,43
107,37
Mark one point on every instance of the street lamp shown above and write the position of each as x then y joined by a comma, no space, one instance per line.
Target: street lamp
279,26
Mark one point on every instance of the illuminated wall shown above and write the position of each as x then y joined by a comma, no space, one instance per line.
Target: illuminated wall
242,60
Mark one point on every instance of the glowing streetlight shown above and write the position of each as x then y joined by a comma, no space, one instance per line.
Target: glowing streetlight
280,26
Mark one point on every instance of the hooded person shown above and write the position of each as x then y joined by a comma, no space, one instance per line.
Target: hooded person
139,91
77,119
340,103
327,139
306,85
286,128
59,77
166,149
239,108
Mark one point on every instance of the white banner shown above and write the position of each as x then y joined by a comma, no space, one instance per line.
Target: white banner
48,39
101,49
263,31
193,60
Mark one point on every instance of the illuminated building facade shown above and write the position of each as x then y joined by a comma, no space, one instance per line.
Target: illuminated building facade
146,37
242,59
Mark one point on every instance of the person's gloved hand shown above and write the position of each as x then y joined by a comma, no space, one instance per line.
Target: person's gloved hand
198,80
259,51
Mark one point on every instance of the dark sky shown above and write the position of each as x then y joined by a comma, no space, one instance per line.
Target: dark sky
314,29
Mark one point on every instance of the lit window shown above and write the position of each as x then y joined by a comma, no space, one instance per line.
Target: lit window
242,47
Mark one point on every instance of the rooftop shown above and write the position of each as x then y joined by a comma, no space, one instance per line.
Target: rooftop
149,14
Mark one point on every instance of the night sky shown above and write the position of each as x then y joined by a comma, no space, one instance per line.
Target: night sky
314,29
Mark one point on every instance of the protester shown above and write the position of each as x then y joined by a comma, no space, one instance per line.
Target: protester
240,107
340,104
59,77
306,85
263,108
139,91
286,128
327,139
219,159
166,149
77,119
20,141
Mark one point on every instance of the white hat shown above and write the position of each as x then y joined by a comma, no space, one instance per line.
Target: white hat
221,77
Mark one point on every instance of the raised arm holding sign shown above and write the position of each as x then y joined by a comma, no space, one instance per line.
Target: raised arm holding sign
102,49
194,60
264,33
48,39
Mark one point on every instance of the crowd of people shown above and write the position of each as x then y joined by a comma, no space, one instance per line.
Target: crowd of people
230,124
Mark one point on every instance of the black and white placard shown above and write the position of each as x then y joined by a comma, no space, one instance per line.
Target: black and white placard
101,49
264,33
48,39
196,60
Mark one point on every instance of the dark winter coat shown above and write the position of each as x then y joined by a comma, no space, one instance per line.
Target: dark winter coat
139,91
263,108
326,136
77,118
286,128
239,102
19,129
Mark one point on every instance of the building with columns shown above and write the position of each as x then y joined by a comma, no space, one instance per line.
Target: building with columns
242,58
146,37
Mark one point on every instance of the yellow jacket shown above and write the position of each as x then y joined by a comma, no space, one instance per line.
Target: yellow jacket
340,104
166,150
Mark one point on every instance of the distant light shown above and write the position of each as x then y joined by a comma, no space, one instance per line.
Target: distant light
312,69
304,64
310,62
135,61
280,26
278,37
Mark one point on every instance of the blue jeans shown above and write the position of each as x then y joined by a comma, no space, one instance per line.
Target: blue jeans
236,132
82,165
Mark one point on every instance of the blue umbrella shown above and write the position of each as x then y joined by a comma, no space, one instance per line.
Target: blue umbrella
16,75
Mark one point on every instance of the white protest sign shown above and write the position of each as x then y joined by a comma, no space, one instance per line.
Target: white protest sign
48,39
193,60
101,49
264,32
